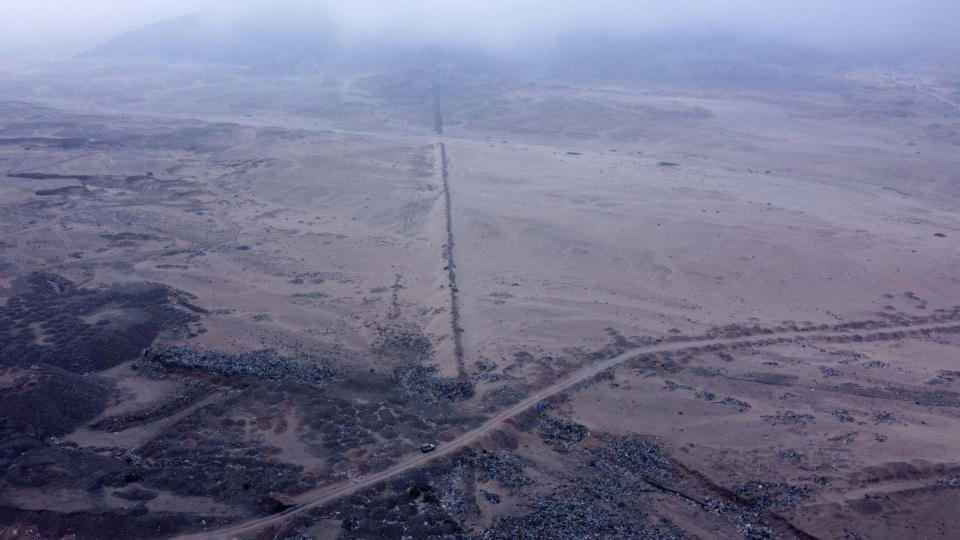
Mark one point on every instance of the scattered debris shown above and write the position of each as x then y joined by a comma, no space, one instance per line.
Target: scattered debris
827,371
559,434
848,355
419,503
739,405
840,414
637,461
505,467
789,418
759,498
953,481
845,438
315,295
705,395
301,534
596,508
672,386
264,364
944,378
875,364
886,417
567,517
423,383
318,277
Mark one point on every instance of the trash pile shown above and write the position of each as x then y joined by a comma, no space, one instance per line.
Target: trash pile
886,417
635,462
953,481
738,404
705,395
847,355
576,514
827,371
300,535
759,497
789,418
845,438
419,503
557,518
561,435
423,383
875,364
264,364
505,467
672,386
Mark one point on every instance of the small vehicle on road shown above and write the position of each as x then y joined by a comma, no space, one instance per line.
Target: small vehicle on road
427,447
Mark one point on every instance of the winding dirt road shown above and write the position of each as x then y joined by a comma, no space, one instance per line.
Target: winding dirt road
320,496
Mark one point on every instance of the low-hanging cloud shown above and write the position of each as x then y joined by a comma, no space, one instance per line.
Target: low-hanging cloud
68,26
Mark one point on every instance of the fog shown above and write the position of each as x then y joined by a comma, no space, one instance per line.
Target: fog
51,28
64,28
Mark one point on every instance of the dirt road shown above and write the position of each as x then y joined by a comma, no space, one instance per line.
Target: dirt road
323,495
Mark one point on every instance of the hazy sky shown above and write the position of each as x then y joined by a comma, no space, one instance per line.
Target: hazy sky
64,26
68,26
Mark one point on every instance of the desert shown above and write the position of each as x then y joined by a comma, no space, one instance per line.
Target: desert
440,299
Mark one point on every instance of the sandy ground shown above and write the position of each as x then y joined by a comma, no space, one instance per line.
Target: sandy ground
587,220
